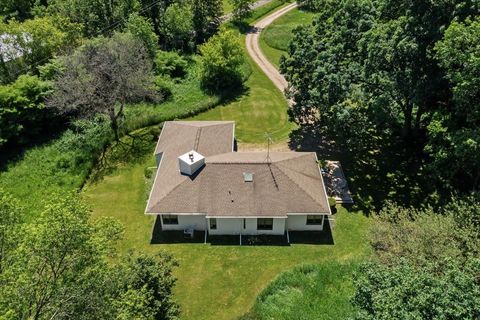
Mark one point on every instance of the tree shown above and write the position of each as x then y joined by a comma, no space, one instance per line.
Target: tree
407,292
170,63
366,69
142,29
454,132
18,9
242,9
36,41
96,16
22,110
101,77
425,266
178,26
154,11
206,18
60,266
222,60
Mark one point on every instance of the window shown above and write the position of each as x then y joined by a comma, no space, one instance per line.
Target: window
213,224
314,219
169,219
265,224
244,223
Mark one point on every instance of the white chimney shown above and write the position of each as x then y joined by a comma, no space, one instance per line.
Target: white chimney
190,162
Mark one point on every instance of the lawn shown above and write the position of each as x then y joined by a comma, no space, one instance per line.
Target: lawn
275,38
216,281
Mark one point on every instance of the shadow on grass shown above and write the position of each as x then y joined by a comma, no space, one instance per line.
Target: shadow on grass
324,237
131,149
386,171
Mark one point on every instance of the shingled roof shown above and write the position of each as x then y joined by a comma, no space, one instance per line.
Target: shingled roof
283,182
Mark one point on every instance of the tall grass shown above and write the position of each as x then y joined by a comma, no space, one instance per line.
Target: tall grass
318,292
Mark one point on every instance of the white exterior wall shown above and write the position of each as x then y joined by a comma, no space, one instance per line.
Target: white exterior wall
299,223
227,226
187,221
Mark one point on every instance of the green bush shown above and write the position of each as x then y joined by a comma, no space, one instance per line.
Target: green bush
170,63
222,61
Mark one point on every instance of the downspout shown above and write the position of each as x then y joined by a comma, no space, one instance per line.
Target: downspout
286,228
206,229
241,232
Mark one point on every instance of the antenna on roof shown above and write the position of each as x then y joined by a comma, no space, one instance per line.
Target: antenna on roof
269,140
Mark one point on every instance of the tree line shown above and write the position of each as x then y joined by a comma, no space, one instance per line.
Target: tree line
388,72
72,59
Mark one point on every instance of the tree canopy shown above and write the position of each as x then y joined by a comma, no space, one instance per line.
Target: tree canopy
60,266
366,69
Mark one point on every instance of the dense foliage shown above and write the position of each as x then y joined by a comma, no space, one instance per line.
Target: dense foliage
222,60
101,77
60,266
427,264
23,109
369,71
242,9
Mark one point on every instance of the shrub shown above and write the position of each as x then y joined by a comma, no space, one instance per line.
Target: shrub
222,61
170,63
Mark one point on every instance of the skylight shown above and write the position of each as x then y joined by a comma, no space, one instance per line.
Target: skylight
248,177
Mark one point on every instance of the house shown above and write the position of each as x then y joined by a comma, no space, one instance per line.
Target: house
203,184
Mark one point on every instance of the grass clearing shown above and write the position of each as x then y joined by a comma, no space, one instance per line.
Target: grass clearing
275,38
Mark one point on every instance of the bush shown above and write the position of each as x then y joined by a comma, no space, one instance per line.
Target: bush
170,63
164,87
222,61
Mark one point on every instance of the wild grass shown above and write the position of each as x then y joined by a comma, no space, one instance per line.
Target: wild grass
275,38
312,291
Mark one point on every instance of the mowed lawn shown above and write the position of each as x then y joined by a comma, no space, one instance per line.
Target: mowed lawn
261,109
275,38
217,281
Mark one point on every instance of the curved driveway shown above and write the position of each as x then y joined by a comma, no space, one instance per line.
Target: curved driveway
256,53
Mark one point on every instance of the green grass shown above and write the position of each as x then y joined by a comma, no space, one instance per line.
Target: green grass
227,6
261,109
315,291
275,38
214,281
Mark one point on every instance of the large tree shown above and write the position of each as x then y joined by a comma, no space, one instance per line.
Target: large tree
425,264
206,18
101,77
454,132
63,265
367,69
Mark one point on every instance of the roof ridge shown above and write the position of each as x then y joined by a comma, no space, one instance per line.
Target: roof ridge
294,182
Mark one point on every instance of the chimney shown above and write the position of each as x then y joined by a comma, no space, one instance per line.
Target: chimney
190,162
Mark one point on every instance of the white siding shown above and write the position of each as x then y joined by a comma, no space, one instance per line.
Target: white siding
235,226
299,223
227,226
184,221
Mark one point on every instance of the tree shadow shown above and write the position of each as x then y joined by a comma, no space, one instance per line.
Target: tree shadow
374,176
131,148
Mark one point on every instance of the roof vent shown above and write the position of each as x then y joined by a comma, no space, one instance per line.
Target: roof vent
190,162
248,177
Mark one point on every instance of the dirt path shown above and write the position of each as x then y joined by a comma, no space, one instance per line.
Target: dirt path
253,47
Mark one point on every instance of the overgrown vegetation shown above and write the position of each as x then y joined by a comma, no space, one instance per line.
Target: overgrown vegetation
60,266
